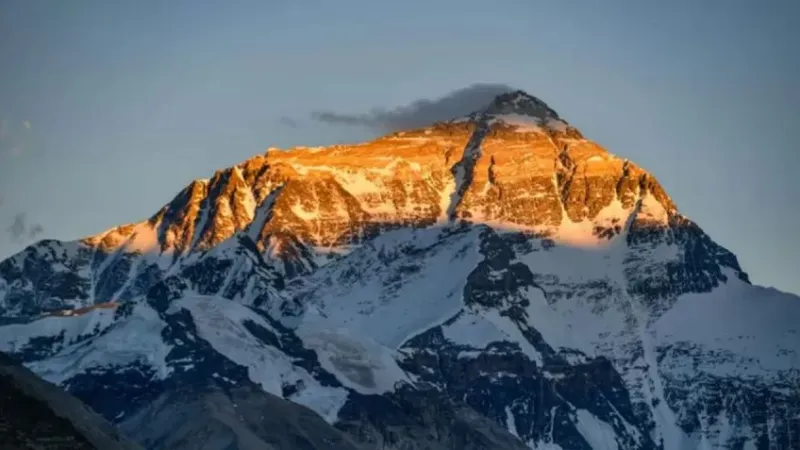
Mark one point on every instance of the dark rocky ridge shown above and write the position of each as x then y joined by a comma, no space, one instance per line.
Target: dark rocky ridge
38,415
209,416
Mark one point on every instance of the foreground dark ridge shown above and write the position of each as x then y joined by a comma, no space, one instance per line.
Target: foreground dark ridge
38,415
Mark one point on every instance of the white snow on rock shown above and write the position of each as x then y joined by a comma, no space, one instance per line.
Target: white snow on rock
473,330
525,123
357,362
70,328
598,434
221,322
387,292
135,339
758,328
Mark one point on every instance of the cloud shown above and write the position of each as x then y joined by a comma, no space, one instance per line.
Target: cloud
288,122
35,230
421,112
13,138
20,229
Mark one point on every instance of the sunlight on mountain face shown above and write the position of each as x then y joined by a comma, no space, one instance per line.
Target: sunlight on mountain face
512,170
498,274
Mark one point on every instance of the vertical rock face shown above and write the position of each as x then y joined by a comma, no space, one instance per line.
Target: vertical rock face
496,280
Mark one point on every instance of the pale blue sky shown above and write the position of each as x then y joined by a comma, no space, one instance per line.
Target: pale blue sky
130,100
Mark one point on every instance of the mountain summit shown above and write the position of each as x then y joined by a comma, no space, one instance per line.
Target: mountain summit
515,164
520,102
493,281
519,109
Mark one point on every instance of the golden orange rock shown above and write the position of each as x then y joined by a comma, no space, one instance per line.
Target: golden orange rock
507,170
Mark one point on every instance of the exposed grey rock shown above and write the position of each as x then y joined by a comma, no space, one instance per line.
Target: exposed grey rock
241,418
422,420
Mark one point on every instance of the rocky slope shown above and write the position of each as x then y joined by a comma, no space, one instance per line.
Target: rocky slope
214,415
491,281
37,415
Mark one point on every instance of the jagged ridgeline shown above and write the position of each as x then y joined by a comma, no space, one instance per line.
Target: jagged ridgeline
494,281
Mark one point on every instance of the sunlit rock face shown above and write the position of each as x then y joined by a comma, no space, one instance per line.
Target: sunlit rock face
515,165
493,281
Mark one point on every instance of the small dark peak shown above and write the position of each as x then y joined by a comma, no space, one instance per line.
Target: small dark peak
520,102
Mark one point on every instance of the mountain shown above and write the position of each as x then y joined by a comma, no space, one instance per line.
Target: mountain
494,281
38,415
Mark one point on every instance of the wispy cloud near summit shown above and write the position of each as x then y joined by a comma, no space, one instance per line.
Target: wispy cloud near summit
13,135
420,112
20,228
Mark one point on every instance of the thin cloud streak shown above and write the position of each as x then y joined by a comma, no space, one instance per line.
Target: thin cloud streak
421,112
288,122
20,229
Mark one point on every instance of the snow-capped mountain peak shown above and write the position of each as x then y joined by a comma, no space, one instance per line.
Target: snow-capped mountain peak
496,272
520,102
521,112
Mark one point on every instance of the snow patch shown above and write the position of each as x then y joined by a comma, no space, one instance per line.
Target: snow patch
221,323
481,327
143,240
510,329
598,434
565,326
758,325
358,362
510,423
581,234
15,337
474,331
393,297
137,338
